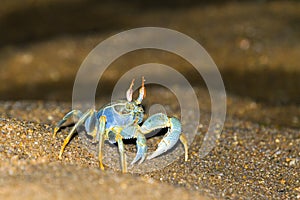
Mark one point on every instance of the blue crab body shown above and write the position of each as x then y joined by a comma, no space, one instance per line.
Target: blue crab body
121,120
117,114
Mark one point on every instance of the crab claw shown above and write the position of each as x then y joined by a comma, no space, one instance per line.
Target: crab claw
169,140
141,149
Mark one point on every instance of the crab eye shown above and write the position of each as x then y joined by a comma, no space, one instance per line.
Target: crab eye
129,106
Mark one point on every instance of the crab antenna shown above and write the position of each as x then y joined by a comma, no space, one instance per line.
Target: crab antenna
130,91
142,92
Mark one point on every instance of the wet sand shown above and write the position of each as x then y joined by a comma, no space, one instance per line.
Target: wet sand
249,161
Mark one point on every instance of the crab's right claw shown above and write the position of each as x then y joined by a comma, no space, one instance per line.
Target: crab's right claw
141,149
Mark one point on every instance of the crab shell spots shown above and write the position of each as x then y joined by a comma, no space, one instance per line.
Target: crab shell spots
114,118
121,109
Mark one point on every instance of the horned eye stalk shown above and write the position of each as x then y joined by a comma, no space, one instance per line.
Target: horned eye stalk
130,91
142,92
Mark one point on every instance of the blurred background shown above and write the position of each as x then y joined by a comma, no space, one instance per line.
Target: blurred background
255,44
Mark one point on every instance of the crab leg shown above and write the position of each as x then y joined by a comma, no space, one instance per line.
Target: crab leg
161,120
184,141
76,113
101,135
80,122
122,153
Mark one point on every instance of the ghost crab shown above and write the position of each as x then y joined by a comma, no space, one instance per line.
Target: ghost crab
121,120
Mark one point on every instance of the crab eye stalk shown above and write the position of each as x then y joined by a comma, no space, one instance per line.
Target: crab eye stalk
142,92
130,91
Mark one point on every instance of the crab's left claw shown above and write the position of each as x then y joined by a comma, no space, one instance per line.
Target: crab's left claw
170,139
